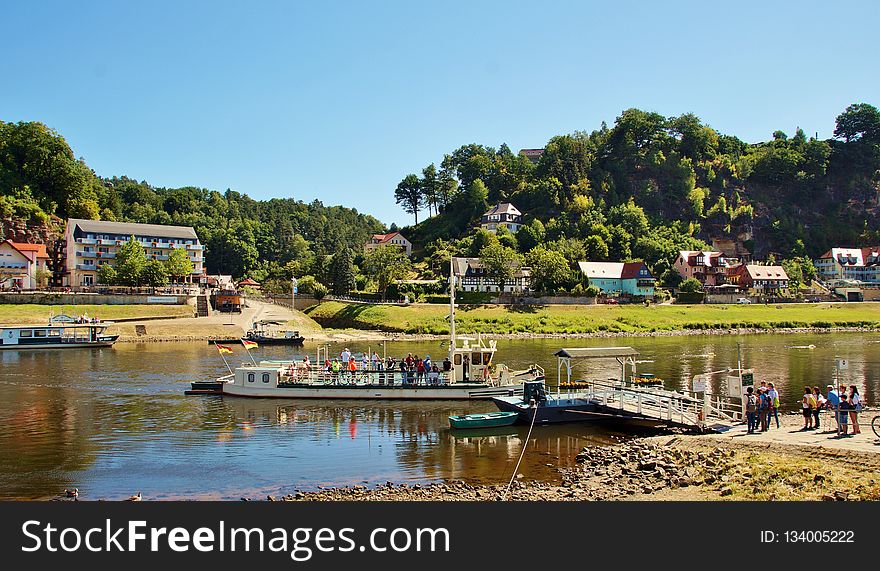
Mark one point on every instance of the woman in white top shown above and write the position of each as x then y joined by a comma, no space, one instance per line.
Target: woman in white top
855,402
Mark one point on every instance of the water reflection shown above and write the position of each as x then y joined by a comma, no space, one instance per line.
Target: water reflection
115,421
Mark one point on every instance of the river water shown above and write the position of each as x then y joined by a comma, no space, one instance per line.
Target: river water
113,422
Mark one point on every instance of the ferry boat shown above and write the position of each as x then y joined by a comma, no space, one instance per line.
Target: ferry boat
468,372
56,335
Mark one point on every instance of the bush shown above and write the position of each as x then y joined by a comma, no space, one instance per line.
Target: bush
319,290
690,285
593,291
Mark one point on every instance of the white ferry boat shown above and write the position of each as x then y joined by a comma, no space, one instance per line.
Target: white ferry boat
469,372
56,336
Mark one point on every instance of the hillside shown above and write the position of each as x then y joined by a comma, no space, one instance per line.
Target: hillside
650,185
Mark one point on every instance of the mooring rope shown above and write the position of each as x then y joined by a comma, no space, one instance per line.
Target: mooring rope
523,453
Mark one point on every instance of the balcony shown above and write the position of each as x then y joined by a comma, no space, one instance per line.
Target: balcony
87,254
106,255
194,247
86,267
86,241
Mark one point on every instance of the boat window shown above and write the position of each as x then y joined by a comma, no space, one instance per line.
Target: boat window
477,358
54,333
457,359
26,333
265,377
39,333
251,377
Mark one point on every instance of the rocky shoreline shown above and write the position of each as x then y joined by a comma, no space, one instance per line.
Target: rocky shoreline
677,467
343,336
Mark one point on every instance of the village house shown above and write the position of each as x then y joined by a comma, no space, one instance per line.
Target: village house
390,239
534,155
471,276
709,268
856,264
91,243
502,214
620,279
760,278
19,264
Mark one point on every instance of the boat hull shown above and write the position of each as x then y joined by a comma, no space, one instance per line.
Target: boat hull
490,420
293,341
555,411
53,346
457,391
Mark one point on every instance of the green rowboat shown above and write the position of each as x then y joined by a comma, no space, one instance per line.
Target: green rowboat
484,420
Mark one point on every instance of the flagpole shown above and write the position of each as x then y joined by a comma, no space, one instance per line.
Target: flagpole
225,362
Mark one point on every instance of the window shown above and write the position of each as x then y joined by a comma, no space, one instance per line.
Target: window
476,358
26,333
265,377
54,333
251,377
39,333
456,358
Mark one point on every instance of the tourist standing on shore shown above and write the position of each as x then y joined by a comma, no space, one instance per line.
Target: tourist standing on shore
763,408
751,409
808,403
774,404
855,401
820,404
832,400
843,416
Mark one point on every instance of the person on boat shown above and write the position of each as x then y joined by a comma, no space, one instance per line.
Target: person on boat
336,367
352,367
307,365
447,364
377,363
365,362
435,375
420,371
345,355
774,403
466,368
403,372
410,361
428,363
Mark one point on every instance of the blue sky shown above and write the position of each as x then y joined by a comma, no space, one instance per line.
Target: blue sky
340,100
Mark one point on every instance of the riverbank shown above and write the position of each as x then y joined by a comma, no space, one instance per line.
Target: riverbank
596,320
20,314
677,467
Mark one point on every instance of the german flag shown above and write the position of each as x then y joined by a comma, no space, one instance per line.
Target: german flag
249,344
224,349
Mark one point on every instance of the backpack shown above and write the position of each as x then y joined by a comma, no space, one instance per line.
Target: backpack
811,400
751,403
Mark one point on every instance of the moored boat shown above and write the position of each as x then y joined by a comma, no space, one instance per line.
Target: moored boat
56,335
484,420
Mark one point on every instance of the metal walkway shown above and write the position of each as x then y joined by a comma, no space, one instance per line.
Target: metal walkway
658,406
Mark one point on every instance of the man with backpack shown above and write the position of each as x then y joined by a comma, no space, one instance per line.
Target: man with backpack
751,410
763,408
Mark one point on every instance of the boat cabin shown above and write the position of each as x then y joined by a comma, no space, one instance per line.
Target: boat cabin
48,335
472,360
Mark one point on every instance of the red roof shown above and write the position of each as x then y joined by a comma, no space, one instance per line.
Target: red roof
248,282
382,238
40,249
631,270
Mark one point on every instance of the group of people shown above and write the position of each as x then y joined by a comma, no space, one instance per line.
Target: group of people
412,369
762,406
844,407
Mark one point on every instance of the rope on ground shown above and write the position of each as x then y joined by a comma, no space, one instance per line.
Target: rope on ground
523,453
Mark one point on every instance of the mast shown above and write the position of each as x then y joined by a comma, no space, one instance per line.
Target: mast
452,341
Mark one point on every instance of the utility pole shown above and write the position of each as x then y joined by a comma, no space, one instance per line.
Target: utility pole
293,284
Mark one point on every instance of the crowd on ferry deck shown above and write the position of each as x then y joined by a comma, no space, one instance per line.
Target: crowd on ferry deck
411,369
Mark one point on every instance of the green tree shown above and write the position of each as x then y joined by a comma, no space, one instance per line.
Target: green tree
130,263
500,263
690,285
385,265
550,270
155,274
107,275
409,195
860,122
430,186
342,273
178,265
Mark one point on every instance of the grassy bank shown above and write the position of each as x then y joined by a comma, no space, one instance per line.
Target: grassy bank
11,314
431,319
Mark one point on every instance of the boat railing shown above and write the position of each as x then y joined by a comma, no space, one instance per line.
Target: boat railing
299,375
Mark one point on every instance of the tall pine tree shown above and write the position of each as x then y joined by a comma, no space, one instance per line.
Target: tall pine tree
342,272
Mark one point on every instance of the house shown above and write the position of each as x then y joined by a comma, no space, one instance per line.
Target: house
627,279
502,214
390,239
761,278
858,264
91,243
533,155
219,281
471,276
708,268
248,282
19,263
731,249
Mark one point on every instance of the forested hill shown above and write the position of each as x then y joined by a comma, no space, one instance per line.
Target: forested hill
41,178
650,184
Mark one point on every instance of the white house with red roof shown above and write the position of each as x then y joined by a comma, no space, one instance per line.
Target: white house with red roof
761,278
858,264
390,239
19,263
